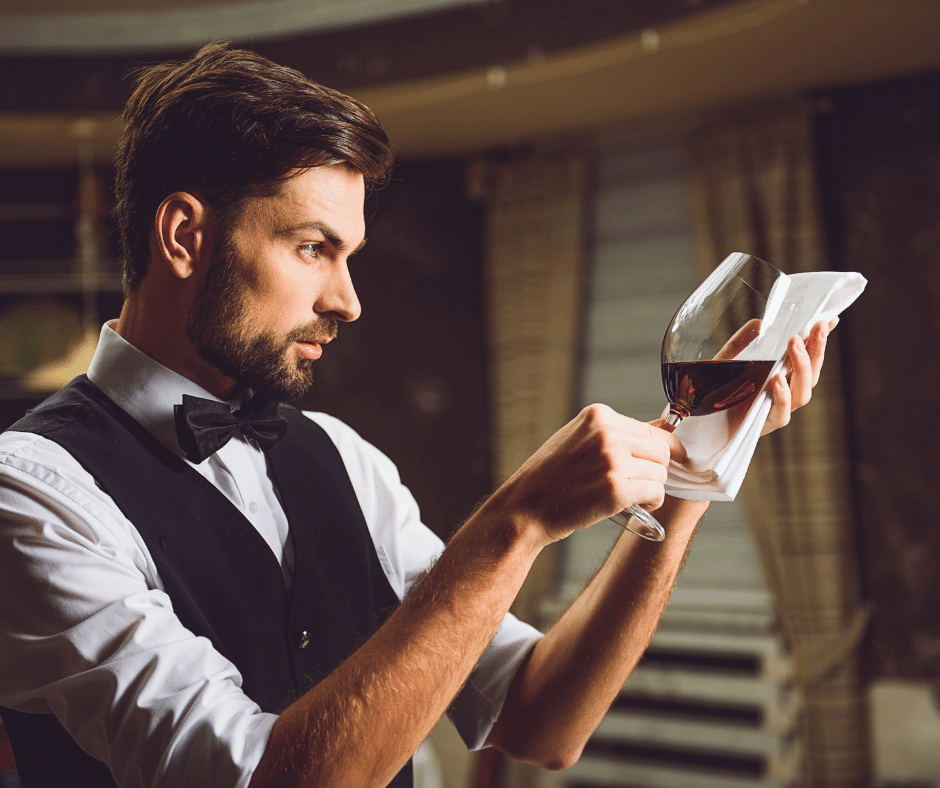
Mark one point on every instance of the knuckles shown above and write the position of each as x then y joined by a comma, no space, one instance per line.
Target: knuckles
598,415
663,475
614,437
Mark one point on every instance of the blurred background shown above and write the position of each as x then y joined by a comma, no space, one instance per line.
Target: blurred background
568,171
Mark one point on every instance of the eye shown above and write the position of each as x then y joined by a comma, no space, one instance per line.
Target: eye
313,250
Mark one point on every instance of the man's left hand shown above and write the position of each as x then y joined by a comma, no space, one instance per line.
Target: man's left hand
793,389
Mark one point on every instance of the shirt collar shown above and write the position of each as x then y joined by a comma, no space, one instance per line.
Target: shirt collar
143,387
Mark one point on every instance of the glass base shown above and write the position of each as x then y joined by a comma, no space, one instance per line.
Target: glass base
639,521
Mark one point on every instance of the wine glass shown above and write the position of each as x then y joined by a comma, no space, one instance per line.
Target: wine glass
719,351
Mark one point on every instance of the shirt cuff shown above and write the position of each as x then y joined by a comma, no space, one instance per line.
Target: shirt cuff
477,706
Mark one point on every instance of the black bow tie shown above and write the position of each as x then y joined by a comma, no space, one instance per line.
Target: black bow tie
203,426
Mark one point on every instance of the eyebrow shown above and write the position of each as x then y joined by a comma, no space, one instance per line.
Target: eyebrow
328,232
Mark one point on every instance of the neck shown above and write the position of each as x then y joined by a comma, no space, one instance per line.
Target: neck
157,327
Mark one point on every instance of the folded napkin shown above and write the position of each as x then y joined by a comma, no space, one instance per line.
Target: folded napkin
720,445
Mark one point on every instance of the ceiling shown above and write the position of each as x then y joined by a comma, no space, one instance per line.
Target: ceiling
96,26
708,58
90,7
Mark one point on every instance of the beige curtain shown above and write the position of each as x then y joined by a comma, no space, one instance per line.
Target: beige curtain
754,190
534,252
534,249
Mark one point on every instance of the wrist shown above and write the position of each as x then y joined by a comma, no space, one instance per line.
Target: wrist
514,528
680,515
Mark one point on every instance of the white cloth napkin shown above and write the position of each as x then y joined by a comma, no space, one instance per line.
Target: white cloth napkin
719,449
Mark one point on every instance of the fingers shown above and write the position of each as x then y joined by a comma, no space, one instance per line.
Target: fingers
639,475
644,441
649,495
816,345
740,340
677,451
642,470
801,373
806,362
628,458
638,482
780,404
795,389
599,463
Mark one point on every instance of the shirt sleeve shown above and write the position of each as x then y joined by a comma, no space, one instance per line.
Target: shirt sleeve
407,548
87,633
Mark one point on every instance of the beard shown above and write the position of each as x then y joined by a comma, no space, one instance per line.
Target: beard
218,329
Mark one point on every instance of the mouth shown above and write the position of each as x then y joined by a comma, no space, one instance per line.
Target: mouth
310,340
311,349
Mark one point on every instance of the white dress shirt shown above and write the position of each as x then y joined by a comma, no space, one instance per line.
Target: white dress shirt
88,633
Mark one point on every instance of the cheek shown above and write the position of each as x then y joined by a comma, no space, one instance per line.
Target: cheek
283,297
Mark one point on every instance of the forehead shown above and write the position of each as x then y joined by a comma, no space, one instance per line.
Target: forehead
332,195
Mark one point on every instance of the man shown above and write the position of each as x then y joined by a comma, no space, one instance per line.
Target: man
198,597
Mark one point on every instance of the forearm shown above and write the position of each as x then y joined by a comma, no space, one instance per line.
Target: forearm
572,676
361,724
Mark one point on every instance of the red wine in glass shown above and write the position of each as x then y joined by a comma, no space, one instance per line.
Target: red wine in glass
698,388
719,350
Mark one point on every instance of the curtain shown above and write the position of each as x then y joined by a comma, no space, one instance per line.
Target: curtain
534,254
882,158
534,250
754,189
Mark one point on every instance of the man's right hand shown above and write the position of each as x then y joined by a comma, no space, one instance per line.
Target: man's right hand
596,465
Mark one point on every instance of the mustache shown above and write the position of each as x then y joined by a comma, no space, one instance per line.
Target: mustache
318,330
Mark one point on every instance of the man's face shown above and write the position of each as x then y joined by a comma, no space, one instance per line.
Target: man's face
279,283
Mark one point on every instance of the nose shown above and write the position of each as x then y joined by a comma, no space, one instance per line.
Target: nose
338,301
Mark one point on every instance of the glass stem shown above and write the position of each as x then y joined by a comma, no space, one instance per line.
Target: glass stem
672,421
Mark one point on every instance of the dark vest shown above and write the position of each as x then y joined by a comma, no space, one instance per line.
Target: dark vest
223,579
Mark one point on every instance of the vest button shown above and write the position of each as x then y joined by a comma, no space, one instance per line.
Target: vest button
302,639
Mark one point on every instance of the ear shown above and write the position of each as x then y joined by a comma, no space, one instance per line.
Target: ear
181,225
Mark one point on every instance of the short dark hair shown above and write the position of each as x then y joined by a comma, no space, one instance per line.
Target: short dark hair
231,125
